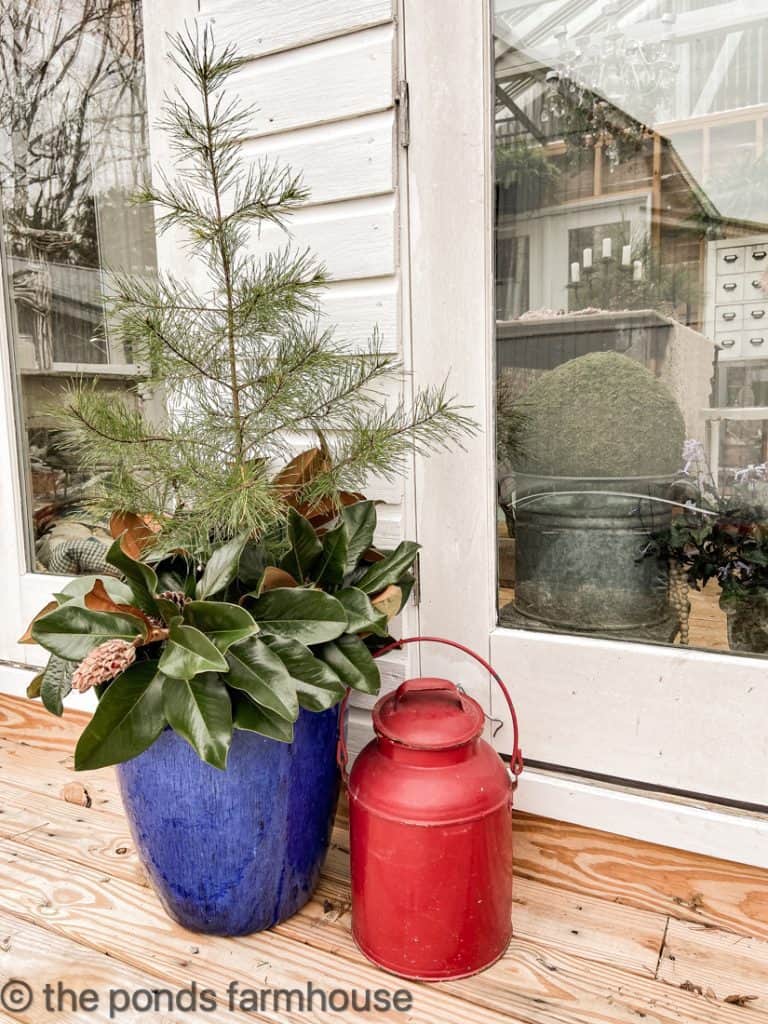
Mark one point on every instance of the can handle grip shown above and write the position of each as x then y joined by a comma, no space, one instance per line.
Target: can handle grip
516,761
429,686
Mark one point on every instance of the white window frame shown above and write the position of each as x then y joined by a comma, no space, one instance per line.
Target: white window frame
24,592
664,717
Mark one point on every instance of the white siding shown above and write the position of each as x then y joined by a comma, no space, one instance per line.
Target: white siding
323,77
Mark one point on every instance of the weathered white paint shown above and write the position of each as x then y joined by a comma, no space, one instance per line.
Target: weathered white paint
357,307
343,160
335,79
353,240
272,25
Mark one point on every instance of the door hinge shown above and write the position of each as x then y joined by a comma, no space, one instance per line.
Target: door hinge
403,114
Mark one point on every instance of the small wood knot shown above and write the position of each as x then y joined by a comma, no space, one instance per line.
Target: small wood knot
76,793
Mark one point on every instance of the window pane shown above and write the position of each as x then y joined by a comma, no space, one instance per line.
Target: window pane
73,149
632,319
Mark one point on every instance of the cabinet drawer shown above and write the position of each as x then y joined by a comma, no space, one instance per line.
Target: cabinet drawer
757,256
754,288
730,345
730,289
728,317
754,344
756,313
730,261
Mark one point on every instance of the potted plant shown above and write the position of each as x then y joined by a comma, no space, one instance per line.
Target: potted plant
726,540
248,597
600,445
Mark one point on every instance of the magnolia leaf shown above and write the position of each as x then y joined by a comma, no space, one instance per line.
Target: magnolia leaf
388,602
253,562
253,718
136,531
27,638
77,588
390,568
274,577
141,577
98,600
224,624
352,662
334,558
56,683
317,685
257,671
72,631
305,547
299,472
221,568
34,687
360,520
309,616
128,719
188,652
200,710
321,512
362,616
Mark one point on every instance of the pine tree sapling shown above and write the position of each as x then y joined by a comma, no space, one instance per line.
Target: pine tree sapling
249,583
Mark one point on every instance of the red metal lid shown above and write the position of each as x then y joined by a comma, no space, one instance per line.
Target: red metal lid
428,714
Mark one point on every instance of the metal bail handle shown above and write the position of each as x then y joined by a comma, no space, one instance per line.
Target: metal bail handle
516,762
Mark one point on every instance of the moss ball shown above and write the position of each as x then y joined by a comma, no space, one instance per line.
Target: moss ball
602,415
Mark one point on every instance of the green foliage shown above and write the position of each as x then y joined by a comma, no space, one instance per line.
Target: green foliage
244,657
600,415
241,361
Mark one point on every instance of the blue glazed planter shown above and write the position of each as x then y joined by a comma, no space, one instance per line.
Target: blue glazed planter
235,852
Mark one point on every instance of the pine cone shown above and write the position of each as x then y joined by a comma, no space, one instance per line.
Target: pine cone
176,596
103,663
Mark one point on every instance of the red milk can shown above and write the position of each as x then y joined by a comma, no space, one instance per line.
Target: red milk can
430,806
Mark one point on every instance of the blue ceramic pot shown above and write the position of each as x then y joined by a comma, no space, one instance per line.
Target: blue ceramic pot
232,852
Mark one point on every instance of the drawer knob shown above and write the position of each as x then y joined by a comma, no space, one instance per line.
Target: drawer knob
732,257
759,255
756,341
728,342
756,283
758,314
730,287
729,316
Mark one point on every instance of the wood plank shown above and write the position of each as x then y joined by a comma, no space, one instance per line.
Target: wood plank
355,308
273,25
691,887
353,240
27,721
40,958
716,962
332,80
344,160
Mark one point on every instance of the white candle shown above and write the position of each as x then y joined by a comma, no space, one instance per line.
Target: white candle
626,255
575,275
637,270
606,248
587,259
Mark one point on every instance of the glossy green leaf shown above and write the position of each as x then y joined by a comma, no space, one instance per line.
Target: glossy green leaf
317,685
73,631
352,662
224,624
33,688
141,578
128,719
361,615
77,588
360,520
188,652
305,547
252,718
309,616
200,710
221,568
56,683
390,568
259,672
332,562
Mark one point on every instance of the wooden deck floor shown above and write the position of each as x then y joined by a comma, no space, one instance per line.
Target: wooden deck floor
607,930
